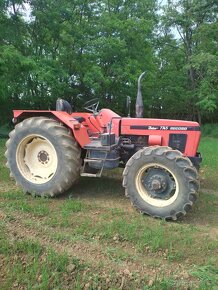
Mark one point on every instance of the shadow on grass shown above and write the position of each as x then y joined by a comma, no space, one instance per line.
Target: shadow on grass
108,191
104,187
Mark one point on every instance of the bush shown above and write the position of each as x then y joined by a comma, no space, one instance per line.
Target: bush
4,131
210,130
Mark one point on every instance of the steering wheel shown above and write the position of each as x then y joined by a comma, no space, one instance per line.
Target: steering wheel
92,105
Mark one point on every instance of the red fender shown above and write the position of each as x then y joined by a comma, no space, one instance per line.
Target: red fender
79,131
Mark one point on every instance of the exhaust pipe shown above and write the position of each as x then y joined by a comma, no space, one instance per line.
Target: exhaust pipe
139,107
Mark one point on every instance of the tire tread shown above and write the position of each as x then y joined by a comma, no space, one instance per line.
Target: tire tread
71,153
181,161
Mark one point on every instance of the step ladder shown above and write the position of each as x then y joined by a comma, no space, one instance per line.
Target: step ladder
95,145
88,159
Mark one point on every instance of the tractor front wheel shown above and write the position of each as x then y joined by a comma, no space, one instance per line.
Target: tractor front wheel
161,182
43,156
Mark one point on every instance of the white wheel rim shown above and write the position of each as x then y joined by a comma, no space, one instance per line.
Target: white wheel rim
36,159
146,196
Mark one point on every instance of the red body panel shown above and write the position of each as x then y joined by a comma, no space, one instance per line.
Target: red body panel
92,126
107,118
100,123
164,127
158,130
80,133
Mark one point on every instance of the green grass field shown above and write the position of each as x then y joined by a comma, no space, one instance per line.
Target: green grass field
91,237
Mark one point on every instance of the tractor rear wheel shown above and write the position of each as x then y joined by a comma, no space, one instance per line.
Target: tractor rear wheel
161,182
43,156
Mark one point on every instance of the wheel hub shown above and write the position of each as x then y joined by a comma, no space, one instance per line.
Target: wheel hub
37,159
43,157
158,183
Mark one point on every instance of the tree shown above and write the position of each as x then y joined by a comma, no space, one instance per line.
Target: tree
190,18
85,49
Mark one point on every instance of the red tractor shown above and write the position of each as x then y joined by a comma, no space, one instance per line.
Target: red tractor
49,150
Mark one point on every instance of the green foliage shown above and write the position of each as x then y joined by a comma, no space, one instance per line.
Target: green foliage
210,130
195,23
4,131
207,66
88,49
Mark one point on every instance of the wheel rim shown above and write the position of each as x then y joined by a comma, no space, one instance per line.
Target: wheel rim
36,159
157,185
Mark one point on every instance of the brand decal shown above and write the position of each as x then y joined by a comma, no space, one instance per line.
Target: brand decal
179,128
165,128
153,128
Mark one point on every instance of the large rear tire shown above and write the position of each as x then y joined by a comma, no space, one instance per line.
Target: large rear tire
161,182
43,156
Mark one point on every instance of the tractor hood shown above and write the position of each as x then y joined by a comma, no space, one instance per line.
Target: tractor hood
181,135
136,126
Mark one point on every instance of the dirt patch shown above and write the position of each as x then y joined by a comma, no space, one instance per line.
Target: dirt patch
3,263
211,232
116,261
5,187
2,215
94,254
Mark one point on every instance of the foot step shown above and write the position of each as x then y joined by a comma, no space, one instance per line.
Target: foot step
90,174
93,160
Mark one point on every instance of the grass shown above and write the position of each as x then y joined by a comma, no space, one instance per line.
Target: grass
39,207
92,237
209,149
210,130
33,268
208,275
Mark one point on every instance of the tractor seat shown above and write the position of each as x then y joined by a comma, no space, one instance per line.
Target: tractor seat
79,119
62,105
